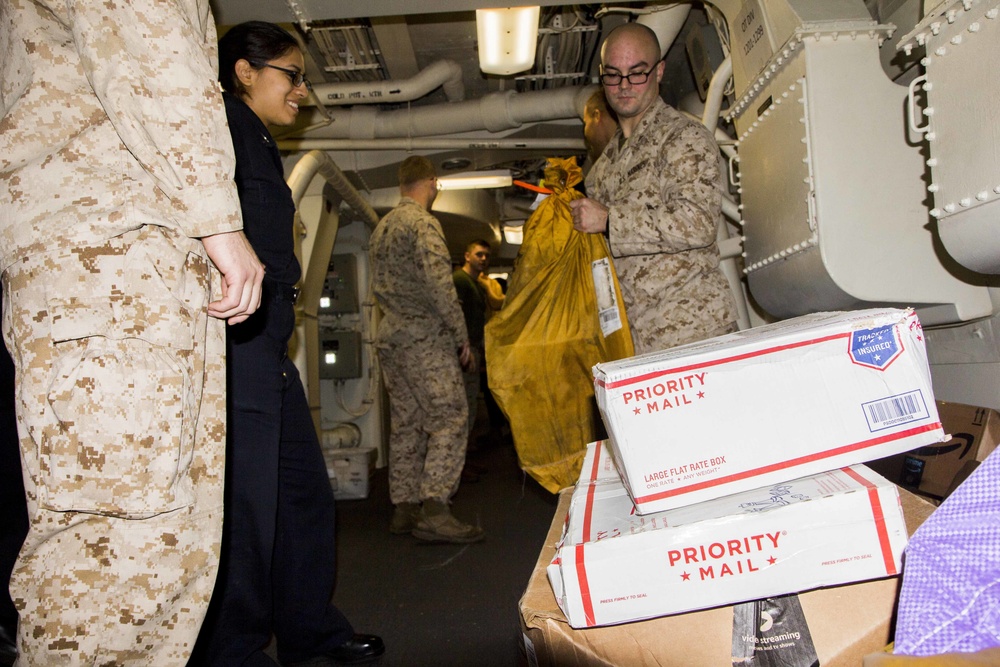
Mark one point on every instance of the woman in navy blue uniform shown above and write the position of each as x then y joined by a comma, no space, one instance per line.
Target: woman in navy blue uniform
278,572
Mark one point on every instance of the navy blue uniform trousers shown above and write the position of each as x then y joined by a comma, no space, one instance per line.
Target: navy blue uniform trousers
278,570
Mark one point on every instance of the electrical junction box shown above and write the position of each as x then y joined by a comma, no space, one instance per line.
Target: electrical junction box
339,355
340,289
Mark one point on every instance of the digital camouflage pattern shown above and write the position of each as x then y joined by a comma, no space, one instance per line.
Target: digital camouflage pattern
418,339
663,186
116,156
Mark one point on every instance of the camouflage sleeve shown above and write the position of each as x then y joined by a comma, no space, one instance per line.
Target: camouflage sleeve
674,203
153,66
435,265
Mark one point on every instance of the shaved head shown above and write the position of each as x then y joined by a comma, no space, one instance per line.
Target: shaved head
630,59
639,36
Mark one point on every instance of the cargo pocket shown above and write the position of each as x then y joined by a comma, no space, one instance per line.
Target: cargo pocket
124,390
120,447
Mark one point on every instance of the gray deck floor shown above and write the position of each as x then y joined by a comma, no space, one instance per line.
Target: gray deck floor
445,605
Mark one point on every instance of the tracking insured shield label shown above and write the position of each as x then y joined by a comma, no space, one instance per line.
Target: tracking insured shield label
876,348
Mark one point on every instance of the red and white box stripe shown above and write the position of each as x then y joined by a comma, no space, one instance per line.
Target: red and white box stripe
769,404
614,565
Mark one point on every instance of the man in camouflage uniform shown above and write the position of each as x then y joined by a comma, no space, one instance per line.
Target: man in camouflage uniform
118,166
421,341
657,192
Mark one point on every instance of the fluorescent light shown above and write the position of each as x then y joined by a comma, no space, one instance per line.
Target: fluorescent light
476,180
513,235
507,39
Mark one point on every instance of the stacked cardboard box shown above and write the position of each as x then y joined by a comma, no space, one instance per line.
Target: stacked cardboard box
729,476
935,470
846,622
766,405
614,565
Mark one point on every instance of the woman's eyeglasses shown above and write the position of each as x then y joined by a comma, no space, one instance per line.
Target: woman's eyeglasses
297,77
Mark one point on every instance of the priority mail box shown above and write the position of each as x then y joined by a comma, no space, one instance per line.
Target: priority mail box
614,565
769,404
846,623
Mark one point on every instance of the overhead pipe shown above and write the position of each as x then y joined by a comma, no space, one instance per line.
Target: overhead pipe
432,143
317,161
495,112
716,93
442,73
666,23
314,271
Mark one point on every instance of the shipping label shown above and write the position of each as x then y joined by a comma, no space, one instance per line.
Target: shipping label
895,410
876,348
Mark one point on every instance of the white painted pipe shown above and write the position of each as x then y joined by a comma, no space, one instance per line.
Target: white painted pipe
431,143
716,92
446,73
666,23
494,112
317,161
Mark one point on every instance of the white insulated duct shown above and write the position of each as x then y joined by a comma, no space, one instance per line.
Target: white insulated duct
432,143
446,73
494,112
666,23
306,356
318,162
716,92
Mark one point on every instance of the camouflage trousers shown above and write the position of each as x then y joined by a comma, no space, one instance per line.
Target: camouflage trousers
429,420
121,418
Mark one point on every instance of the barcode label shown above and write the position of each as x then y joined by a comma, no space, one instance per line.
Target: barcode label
899,409
607,296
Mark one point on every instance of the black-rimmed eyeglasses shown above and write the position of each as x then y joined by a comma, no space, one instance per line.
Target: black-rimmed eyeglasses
297,77
615,78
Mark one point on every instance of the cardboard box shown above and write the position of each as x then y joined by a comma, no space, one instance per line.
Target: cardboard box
350,469
846,622
935,470
615,566
769,404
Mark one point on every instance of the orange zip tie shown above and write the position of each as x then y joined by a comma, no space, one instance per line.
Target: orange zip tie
533,188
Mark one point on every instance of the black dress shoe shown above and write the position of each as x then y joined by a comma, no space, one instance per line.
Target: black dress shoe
8,648
357,650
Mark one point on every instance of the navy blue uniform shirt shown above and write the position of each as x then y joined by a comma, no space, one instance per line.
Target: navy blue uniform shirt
268,210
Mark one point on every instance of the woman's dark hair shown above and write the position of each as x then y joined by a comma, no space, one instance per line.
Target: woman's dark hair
257,42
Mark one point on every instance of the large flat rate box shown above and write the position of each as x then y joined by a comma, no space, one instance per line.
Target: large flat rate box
846,622
766,405
614,565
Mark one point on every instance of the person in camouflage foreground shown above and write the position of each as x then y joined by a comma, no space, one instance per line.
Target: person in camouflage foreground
422,345
117,170
656,191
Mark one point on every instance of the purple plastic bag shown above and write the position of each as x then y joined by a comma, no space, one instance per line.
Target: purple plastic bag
950,598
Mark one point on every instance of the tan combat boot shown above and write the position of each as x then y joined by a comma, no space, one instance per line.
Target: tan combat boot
436,524
404,518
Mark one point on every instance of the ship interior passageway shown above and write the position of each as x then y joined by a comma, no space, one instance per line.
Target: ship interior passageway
445,605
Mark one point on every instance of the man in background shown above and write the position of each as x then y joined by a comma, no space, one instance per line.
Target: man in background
422,346
599,125
472,297
656,191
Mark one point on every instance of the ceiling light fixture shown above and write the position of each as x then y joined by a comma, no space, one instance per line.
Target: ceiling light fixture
513,235
476,180
507,39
